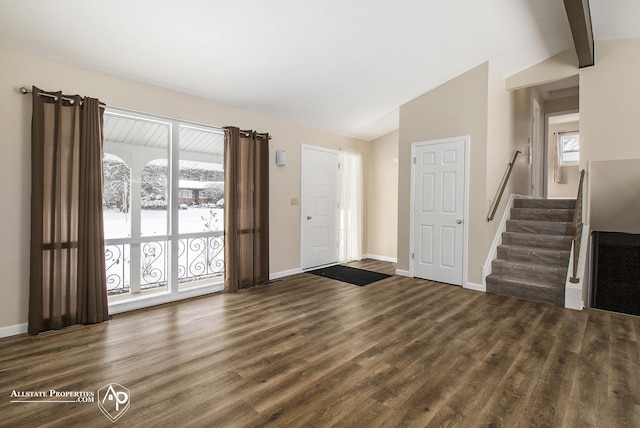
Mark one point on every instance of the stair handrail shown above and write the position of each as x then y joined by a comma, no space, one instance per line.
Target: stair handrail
503,185
577,230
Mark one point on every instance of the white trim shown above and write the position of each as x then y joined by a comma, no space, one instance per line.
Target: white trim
159,299
497,239
13,330
561,151
319,266
381,258
467,185
465,237
173,291
475,287
575,295
401,272
285,273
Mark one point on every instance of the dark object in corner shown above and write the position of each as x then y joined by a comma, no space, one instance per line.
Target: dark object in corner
616,272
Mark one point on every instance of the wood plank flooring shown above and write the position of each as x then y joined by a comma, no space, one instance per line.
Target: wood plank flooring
310,351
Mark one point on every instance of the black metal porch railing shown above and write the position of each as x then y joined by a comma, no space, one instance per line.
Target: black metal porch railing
200,256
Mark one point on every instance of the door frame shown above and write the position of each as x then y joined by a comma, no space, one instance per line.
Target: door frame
536,150
302,184
465,217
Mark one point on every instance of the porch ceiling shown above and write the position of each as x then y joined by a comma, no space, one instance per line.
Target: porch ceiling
155,134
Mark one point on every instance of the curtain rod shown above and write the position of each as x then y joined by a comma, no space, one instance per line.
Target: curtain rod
25,91
248,133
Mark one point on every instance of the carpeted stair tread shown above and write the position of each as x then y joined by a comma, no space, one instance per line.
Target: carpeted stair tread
524,253
545,203
540,227
536,240
529,289
534,271
542,266
542,214
532,260
524,281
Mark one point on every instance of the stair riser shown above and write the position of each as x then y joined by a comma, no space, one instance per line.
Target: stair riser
536,294
539,241
541,228
532,260
528,255
545,203
541,214
538,273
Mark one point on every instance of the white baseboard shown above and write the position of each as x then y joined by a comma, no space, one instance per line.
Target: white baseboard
381,258
497,239
13,330
476,287
403,272
132,304
282,274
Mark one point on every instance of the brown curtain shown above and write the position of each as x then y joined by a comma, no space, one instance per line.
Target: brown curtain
246,208
67,283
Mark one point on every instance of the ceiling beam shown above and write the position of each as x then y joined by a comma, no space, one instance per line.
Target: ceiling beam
579,16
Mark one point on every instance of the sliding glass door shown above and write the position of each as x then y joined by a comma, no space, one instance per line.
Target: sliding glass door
163,199
201,206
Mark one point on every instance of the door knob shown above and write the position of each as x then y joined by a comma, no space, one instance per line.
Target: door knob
459,221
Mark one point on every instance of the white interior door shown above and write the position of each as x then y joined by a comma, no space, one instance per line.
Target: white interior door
319,207
439,179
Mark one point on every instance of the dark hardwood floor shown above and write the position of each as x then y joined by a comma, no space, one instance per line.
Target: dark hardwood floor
310,351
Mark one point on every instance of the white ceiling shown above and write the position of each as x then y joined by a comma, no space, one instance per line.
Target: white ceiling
340,65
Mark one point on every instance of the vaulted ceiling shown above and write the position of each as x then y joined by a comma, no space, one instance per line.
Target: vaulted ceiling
340,65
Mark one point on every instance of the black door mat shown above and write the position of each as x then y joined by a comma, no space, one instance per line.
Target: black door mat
350,275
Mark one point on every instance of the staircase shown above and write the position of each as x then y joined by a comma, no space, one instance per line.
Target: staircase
534,256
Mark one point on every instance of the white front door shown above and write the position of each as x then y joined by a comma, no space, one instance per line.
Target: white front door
439,179
319,207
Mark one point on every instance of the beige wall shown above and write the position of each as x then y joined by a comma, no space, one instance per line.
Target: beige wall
558,67
503,139
382,207
610,103
562,104
456,108
15,115
522,110
459,107
477,104
568,187
609,112
615,196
